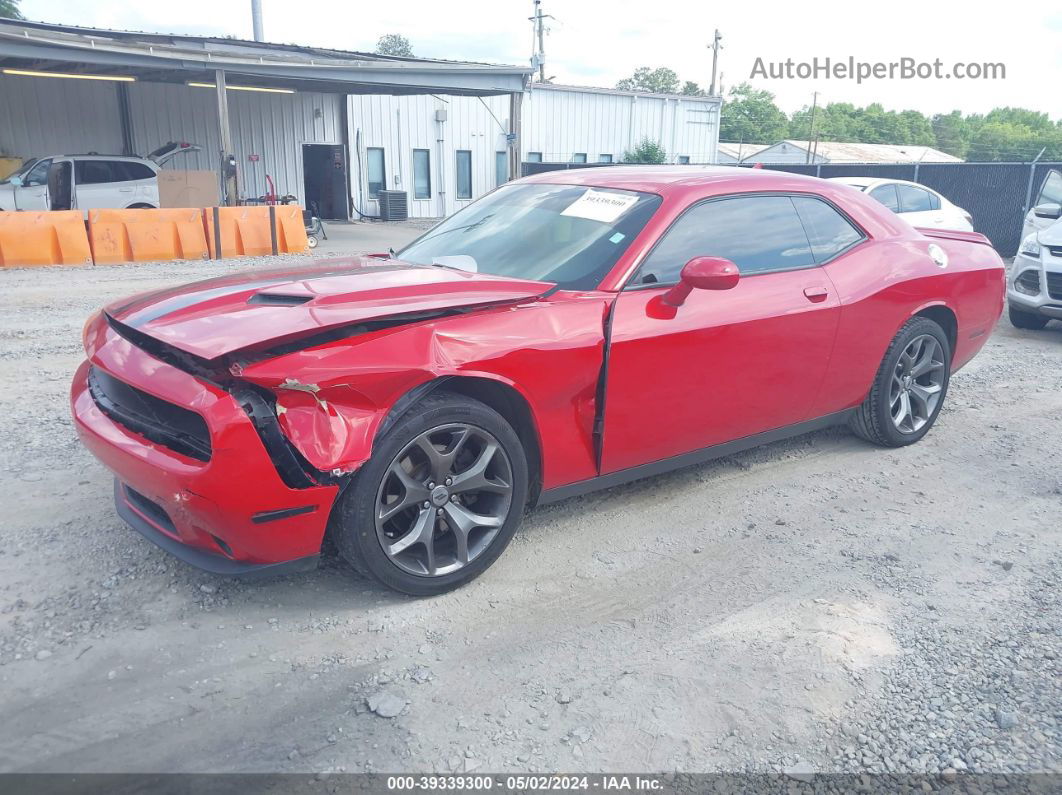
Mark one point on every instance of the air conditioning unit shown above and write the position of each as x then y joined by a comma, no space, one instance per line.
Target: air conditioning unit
394,205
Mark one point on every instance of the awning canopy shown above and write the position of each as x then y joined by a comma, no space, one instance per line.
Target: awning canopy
165,58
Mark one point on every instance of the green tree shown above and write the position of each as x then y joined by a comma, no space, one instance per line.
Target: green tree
9,9
751,115
394,44
647,151
691,89
658,81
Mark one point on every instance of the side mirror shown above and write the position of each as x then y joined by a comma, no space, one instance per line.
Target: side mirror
1048,210
703,273
16,181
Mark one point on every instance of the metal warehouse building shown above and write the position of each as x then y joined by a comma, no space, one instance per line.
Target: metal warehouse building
331,127
446,151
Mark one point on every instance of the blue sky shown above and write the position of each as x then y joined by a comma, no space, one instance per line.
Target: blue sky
596,43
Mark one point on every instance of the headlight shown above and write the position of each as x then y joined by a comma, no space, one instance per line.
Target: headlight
1030,246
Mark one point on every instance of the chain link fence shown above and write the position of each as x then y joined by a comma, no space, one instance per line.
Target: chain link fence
997,195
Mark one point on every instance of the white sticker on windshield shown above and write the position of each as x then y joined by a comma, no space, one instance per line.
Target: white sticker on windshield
597,205
462,262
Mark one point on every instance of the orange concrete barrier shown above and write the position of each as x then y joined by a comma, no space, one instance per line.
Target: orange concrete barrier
247,231
45,238
118,236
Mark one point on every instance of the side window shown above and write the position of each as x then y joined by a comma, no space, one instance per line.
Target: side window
913,200
127,170
464,174
38,175
758,233
94,172
1050,191
886,194
421,174
374,166
829,232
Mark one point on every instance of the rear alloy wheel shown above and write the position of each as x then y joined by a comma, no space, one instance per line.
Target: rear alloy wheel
439,501
910,386
1019,318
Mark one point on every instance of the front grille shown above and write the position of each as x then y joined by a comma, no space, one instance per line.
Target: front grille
179,429
151,509
1055,251
1029,282
1054,285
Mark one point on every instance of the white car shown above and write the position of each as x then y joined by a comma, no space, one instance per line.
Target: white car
919,205
1034,285
87,182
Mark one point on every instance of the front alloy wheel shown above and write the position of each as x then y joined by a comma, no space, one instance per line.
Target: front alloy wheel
440,499
444,499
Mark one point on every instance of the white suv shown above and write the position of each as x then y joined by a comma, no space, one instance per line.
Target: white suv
86,182
1034,285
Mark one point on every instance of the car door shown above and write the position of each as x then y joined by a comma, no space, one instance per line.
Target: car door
919,207
102,183
724,365
1039,216
32,194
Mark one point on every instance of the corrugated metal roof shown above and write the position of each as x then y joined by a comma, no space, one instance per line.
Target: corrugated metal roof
162,57
739,150
620,92
847,152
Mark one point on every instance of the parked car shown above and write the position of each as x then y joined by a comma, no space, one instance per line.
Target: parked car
920,206
88,182
570,331
1034,289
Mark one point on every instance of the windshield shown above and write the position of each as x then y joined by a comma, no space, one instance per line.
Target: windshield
21,172
568,234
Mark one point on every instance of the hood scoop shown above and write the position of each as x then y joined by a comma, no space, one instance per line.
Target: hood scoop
279,299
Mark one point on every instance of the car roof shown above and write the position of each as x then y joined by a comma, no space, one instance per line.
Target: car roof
96,156
683,179
864,182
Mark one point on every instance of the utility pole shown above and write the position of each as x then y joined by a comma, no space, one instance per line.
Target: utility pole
715,47
811,133
256,20
540,54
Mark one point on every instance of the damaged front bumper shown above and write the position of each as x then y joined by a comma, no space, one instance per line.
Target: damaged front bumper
223,506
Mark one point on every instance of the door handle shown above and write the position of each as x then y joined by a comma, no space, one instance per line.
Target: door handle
125,190
815,294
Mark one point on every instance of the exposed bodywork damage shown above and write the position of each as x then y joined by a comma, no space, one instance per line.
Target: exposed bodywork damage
346,389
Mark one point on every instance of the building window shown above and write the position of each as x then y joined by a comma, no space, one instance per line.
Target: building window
579,157
604,158
464,174
534,157
683,160
421,174
501,168
375,161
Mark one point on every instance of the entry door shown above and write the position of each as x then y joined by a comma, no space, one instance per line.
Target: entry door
731,363
325,180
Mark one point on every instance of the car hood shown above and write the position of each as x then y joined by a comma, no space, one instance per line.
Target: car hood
1052,235
256,309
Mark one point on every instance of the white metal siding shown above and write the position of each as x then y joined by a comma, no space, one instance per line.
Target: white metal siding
50,116
399,125
560,123
557,122
272,126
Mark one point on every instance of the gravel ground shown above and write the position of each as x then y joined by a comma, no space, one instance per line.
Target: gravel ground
817,604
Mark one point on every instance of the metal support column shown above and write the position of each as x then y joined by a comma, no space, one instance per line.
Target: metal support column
516,104
228,160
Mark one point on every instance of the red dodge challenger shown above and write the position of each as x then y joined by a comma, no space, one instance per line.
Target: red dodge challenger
567,332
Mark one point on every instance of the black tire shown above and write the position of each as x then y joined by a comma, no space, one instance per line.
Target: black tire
1019,318
873,419
142,207
353,521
